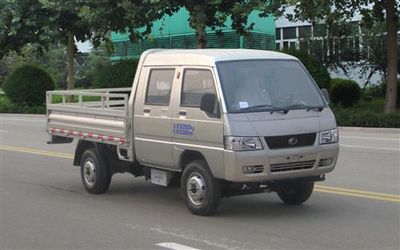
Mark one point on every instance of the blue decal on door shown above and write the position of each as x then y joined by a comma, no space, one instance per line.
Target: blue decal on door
183,129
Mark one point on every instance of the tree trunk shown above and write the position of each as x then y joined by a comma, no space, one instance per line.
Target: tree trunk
391,85
200,26
70,61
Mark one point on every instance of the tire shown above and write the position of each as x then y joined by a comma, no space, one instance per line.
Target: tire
95,173
197,177
295,192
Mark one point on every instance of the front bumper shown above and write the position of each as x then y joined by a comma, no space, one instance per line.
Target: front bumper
280,164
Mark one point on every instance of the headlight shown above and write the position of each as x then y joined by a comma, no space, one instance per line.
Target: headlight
242,143
329,136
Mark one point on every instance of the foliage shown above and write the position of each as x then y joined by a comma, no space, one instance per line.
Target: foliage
44,22
372,11
28,85
379,91
366,114
22,22
373,57
118,75
344,92
315,67
41,22
6,106
52,60
95,62
213,14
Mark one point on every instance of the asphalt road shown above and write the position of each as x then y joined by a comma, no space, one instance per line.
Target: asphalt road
44,205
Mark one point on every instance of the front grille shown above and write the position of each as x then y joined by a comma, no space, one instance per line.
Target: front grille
325,162
290,141
290,166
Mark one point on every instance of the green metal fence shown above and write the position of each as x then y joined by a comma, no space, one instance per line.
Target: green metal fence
229,39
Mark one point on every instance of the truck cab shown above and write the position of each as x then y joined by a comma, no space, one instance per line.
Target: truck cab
218,122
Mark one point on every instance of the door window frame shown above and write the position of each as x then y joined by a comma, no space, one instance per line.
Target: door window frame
150,69
218,92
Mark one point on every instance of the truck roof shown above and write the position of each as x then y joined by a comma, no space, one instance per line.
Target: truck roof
207,57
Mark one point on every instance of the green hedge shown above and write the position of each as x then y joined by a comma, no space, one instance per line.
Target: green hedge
380,91
367,119
315,67
344,92
6,106
27,85
117,75
366,113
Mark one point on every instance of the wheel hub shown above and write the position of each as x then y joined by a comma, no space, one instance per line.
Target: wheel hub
89,172
196,189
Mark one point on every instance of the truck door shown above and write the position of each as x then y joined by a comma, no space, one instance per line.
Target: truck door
192,128
152,119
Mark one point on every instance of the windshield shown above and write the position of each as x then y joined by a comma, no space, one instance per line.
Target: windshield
267,85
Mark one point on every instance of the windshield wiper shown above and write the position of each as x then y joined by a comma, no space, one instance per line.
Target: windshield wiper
307,107
270,108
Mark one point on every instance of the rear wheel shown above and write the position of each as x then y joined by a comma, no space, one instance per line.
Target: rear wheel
95,173
295,192
200,190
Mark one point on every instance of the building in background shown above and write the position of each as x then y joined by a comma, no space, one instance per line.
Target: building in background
174,32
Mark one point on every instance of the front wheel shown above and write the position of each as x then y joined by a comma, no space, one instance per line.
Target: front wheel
295,192
200,190
95,172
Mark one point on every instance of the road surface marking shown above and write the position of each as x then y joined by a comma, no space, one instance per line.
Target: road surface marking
368,147
357,193
322,190
175,246
372,138
3,131
36,151
318,188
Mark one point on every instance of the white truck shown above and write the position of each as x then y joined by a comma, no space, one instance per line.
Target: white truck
219,122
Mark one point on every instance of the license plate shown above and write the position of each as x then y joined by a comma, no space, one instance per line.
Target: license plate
160,177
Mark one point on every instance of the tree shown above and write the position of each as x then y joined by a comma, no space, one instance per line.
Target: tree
214,13
53,60
371,10
124,16
22,22
44,22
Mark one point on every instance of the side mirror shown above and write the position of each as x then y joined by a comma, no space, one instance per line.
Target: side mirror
325,93
207,103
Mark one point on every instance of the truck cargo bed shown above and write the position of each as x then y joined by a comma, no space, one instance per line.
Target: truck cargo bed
99,115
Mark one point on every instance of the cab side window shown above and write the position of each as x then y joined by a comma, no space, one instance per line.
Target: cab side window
159,87
196,82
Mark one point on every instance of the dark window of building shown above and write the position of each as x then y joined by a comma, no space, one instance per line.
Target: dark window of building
285,45
293,45
278,34
278,46
289,33
305,31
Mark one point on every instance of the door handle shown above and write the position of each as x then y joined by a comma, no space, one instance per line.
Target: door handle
181,112
146,110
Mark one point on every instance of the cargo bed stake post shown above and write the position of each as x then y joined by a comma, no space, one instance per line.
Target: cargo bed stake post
80,99
103,102
107,101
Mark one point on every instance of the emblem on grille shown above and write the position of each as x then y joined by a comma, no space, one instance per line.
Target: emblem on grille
292,141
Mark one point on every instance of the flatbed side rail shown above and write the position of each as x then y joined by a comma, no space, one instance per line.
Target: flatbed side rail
97,115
